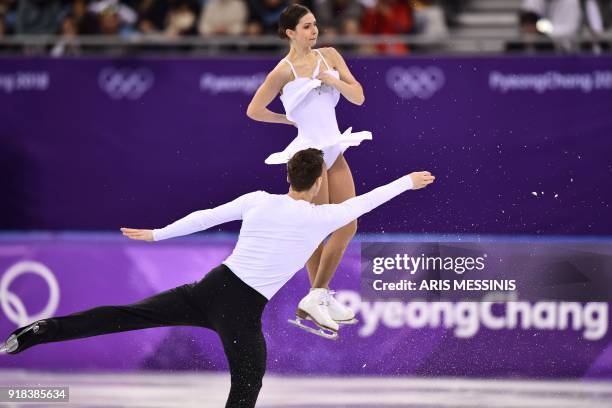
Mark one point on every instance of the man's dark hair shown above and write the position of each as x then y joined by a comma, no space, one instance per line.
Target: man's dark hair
304,168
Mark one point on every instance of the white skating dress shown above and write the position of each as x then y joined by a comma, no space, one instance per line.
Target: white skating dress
312,106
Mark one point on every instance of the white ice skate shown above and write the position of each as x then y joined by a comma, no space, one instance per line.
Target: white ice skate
340,313
314,307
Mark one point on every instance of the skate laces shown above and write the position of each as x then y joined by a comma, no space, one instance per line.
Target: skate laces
330,296
323,298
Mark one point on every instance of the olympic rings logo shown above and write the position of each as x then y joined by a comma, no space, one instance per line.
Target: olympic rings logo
415,82
125,83
13,306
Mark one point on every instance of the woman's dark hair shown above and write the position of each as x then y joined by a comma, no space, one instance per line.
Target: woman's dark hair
304,168
290,17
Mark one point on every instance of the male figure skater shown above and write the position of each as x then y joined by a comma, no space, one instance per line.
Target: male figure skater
279,233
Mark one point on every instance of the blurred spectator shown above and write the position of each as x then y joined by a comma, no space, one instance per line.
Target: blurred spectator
310,4
452,8
264,15
368,3
114,18
531,38
124,13
86,21
38,16
606,11
389,17
69,27
68,44
594,17
3,11
564,18
109,22
339,16
152,16
429,18
78,9
181,19
221,17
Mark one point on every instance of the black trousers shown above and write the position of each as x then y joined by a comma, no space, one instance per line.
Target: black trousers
220,302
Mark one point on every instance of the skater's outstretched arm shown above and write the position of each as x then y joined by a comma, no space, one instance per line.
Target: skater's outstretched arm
196,221
333,216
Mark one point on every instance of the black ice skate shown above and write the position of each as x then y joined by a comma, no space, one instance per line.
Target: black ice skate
23,338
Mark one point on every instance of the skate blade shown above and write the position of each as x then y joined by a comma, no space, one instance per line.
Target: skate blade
319,331
10,345
347,322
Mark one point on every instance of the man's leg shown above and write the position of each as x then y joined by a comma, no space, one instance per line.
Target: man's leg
174,307
246,354
235,314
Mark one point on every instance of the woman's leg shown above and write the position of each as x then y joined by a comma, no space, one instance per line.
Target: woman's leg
169,308
341,187
312,265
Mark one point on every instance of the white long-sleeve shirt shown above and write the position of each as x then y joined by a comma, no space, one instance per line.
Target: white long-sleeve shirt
279,233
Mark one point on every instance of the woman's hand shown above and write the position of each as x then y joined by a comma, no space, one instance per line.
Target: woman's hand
346,84
138,234
421,179
327,79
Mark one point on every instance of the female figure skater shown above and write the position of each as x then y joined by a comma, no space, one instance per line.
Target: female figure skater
310,82
278,234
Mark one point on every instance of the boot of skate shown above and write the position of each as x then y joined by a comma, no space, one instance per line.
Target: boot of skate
314,306
338,312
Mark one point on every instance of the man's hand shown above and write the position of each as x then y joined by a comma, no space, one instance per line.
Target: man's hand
138,234
421,179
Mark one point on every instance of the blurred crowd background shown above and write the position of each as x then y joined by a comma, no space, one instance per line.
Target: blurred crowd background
525,25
